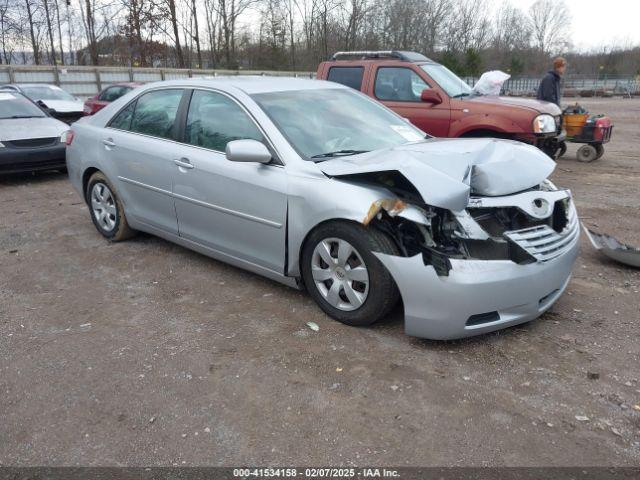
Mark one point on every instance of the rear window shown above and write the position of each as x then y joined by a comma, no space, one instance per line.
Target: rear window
349,76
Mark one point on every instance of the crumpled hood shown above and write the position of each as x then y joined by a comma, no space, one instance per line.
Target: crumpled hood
445,172
64,106
24,128
537,105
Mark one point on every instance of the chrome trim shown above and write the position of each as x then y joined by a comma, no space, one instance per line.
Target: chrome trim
144,185
543,242
218,208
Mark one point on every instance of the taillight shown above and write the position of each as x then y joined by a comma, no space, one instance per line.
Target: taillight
67,137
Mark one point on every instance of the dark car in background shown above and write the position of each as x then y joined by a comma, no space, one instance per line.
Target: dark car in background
58,102
30,139
108,95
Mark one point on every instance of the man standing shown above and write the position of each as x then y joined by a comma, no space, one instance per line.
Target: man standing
549,89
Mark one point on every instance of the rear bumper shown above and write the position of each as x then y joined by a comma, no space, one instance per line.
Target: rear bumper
15,160
478,296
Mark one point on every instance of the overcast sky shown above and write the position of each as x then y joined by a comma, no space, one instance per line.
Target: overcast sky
600,22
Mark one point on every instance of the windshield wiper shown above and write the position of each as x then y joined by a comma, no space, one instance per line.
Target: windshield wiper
460,95
339,153
24,116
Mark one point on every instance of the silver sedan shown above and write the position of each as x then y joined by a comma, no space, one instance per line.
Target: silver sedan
313,184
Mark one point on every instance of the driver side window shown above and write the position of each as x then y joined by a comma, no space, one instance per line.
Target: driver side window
398,84
215,120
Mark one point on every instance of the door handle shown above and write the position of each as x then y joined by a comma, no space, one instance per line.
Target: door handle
183,162
108,142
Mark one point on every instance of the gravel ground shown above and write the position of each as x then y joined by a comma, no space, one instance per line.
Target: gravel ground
144,353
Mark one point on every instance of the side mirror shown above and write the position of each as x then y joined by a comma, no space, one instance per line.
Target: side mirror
247,151
429,95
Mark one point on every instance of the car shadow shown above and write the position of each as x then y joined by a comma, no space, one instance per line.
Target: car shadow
9,179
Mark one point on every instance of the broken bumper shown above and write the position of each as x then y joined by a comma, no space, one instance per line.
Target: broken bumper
478,296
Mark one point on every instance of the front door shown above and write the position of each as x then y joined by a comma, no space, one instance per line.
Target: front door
399,88
235,208
140,147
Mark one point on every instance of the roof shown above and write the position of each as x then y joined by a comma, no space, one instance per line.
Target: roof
401,55
252,84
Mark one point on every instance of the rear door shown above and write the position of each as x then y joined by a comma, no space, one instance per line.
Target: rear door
399,88
238,209
140,145
349,75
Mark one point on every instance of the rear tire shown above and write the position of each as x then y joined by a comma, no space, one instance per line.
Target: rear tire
352,285
587,153
106,209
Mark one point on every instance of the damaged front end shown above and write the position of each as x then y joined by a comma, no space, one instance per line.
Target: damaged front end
499,260
537,225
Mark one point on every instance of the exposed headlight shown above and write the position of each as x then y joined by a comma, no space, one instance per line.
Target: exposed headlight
544,124
1,145
548,186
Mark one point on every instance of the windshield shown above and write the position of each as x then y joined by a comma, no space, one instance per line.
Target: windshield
448,81
46,92
13,105
334,122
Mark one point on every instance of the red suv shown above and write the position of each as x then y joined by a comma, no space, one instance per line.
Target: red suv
440,103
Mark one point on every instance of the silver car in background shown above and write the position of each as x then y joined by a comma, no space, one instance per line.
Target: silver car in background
313,184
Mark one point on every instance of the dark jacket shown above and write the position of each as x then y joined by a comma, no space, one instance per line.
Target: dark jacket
549,89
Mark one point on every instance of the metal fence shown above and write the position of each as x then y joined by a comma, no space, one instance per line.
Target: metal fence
575,84
87,81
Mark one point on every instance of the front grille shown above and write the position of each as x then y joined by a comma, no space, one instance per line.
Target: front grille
32,142
543,242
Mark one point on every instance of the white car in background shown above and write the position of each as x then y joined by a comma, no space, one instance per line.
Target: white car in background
29,138
58,102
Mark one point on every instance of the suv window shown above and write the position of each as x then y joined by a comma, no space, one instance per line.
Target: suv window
349,76
155,113
398,84
215,120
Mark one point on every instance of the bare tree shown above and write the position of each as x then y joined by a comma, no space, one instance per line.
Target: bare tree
229,11
550,24
512,30
32,32
213,30
52,44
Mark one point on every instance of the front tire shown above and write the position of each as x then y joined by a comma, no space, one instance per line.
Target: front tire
106,209
344,277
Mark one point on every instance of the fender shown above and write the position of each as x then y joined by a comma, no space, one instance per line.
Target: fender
314,200
495,123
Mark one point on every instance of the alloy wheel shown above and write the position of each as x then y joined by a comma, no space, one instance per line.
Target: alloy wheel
340,274
103,206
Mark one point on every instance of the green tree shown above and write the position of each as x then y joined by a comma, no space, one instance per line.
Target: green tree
472,62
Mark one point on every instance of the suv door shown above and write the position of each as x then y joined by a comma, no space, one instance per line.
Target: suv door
237,209
350,75
400,87
139,143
